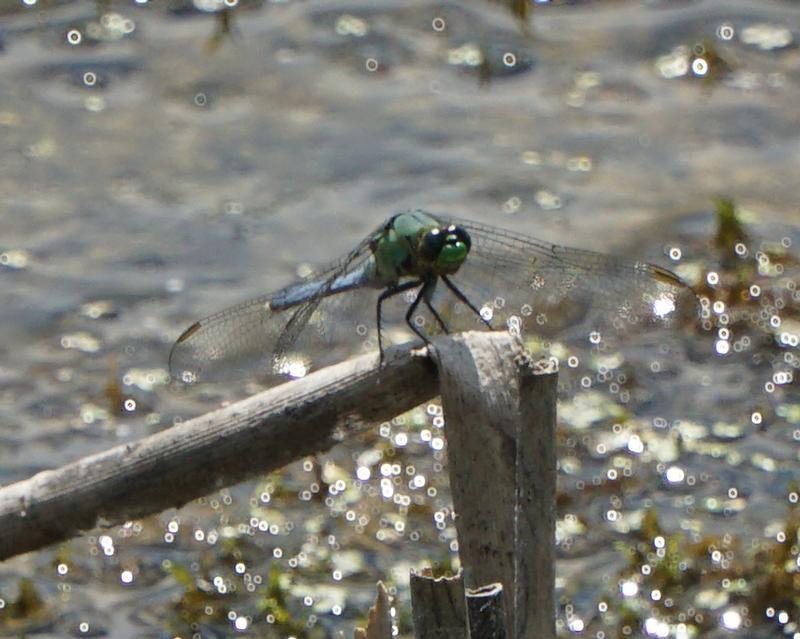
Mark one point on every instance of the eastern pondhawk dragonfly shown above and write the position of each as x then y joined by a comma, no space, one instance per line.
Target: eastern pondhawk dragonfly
430,274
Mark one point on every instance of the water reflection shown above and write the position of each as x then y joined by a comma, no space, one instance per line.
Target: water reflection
124,134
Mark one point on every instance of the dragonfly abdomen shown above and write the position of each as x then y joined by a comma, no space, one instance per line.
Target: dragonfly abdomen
300,292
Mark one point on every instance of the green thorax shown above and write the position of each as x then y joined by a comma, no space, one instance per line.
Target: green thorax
416,244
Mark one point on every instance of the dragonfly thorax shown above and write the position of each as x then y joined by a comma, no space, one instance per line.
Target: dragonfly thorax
419,246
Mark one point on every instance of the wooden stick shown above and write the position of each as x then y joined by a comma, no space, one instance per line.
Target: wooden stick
500,424
438,606
534,597
486,612
251,437
379,622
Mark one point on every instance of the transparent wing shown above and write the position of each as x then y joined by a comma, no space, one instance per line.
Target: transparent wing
264,336
544,290
538,289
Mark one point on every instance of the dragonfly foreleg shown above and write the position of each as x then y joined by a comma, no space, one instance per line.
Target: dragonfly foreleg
465,300
427,294
424,293
386,294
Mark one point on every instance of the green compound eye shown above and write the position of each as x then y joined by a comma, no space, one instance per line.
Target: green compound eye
457,243
460,234
452,253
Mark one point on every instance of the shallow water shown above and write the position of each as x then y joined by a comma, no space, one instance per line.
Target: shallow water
154,171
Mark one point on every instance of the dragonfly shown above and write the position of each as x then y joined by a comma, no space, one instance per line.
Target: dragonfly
421,274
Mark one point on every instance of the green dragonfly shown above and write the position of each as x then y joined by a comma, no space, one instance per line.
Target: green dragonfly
428,274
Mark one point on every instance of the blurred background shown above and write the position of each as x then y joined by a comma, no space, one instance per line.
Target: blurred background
162,160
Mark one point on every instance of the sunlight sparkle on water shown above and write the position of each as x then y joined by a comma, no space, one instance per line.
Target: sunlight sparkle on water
699,67
296,369
107,544
656,627
663,306
675,475
767,37
576,624
635,445
81,341
726,31
466,55
349,25
731,619
682,631
675,64
15,258
363,473
629,588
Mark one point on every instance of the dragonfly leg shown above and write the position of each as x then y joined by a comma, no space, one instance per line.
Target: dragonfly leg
427,287
427,293
466,301
386,294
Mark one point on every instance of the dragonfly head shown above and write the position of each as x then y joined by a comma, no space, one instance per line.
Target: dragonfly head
445,248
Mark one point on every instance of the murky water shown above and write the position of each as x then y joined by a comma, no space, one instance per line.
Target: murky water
156,168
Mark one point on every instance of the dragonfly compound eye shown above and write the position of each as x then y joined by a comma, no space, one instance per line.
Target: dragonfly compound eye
461,235
455,248
432,244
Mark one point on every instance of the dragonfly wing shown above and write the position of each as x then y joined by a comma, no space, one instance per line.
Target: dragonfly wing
257,337
547,290
237,338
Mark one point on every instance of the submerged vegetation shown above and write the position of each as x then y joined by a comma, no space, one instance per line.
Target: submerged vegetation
300,556
700,572
678,494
